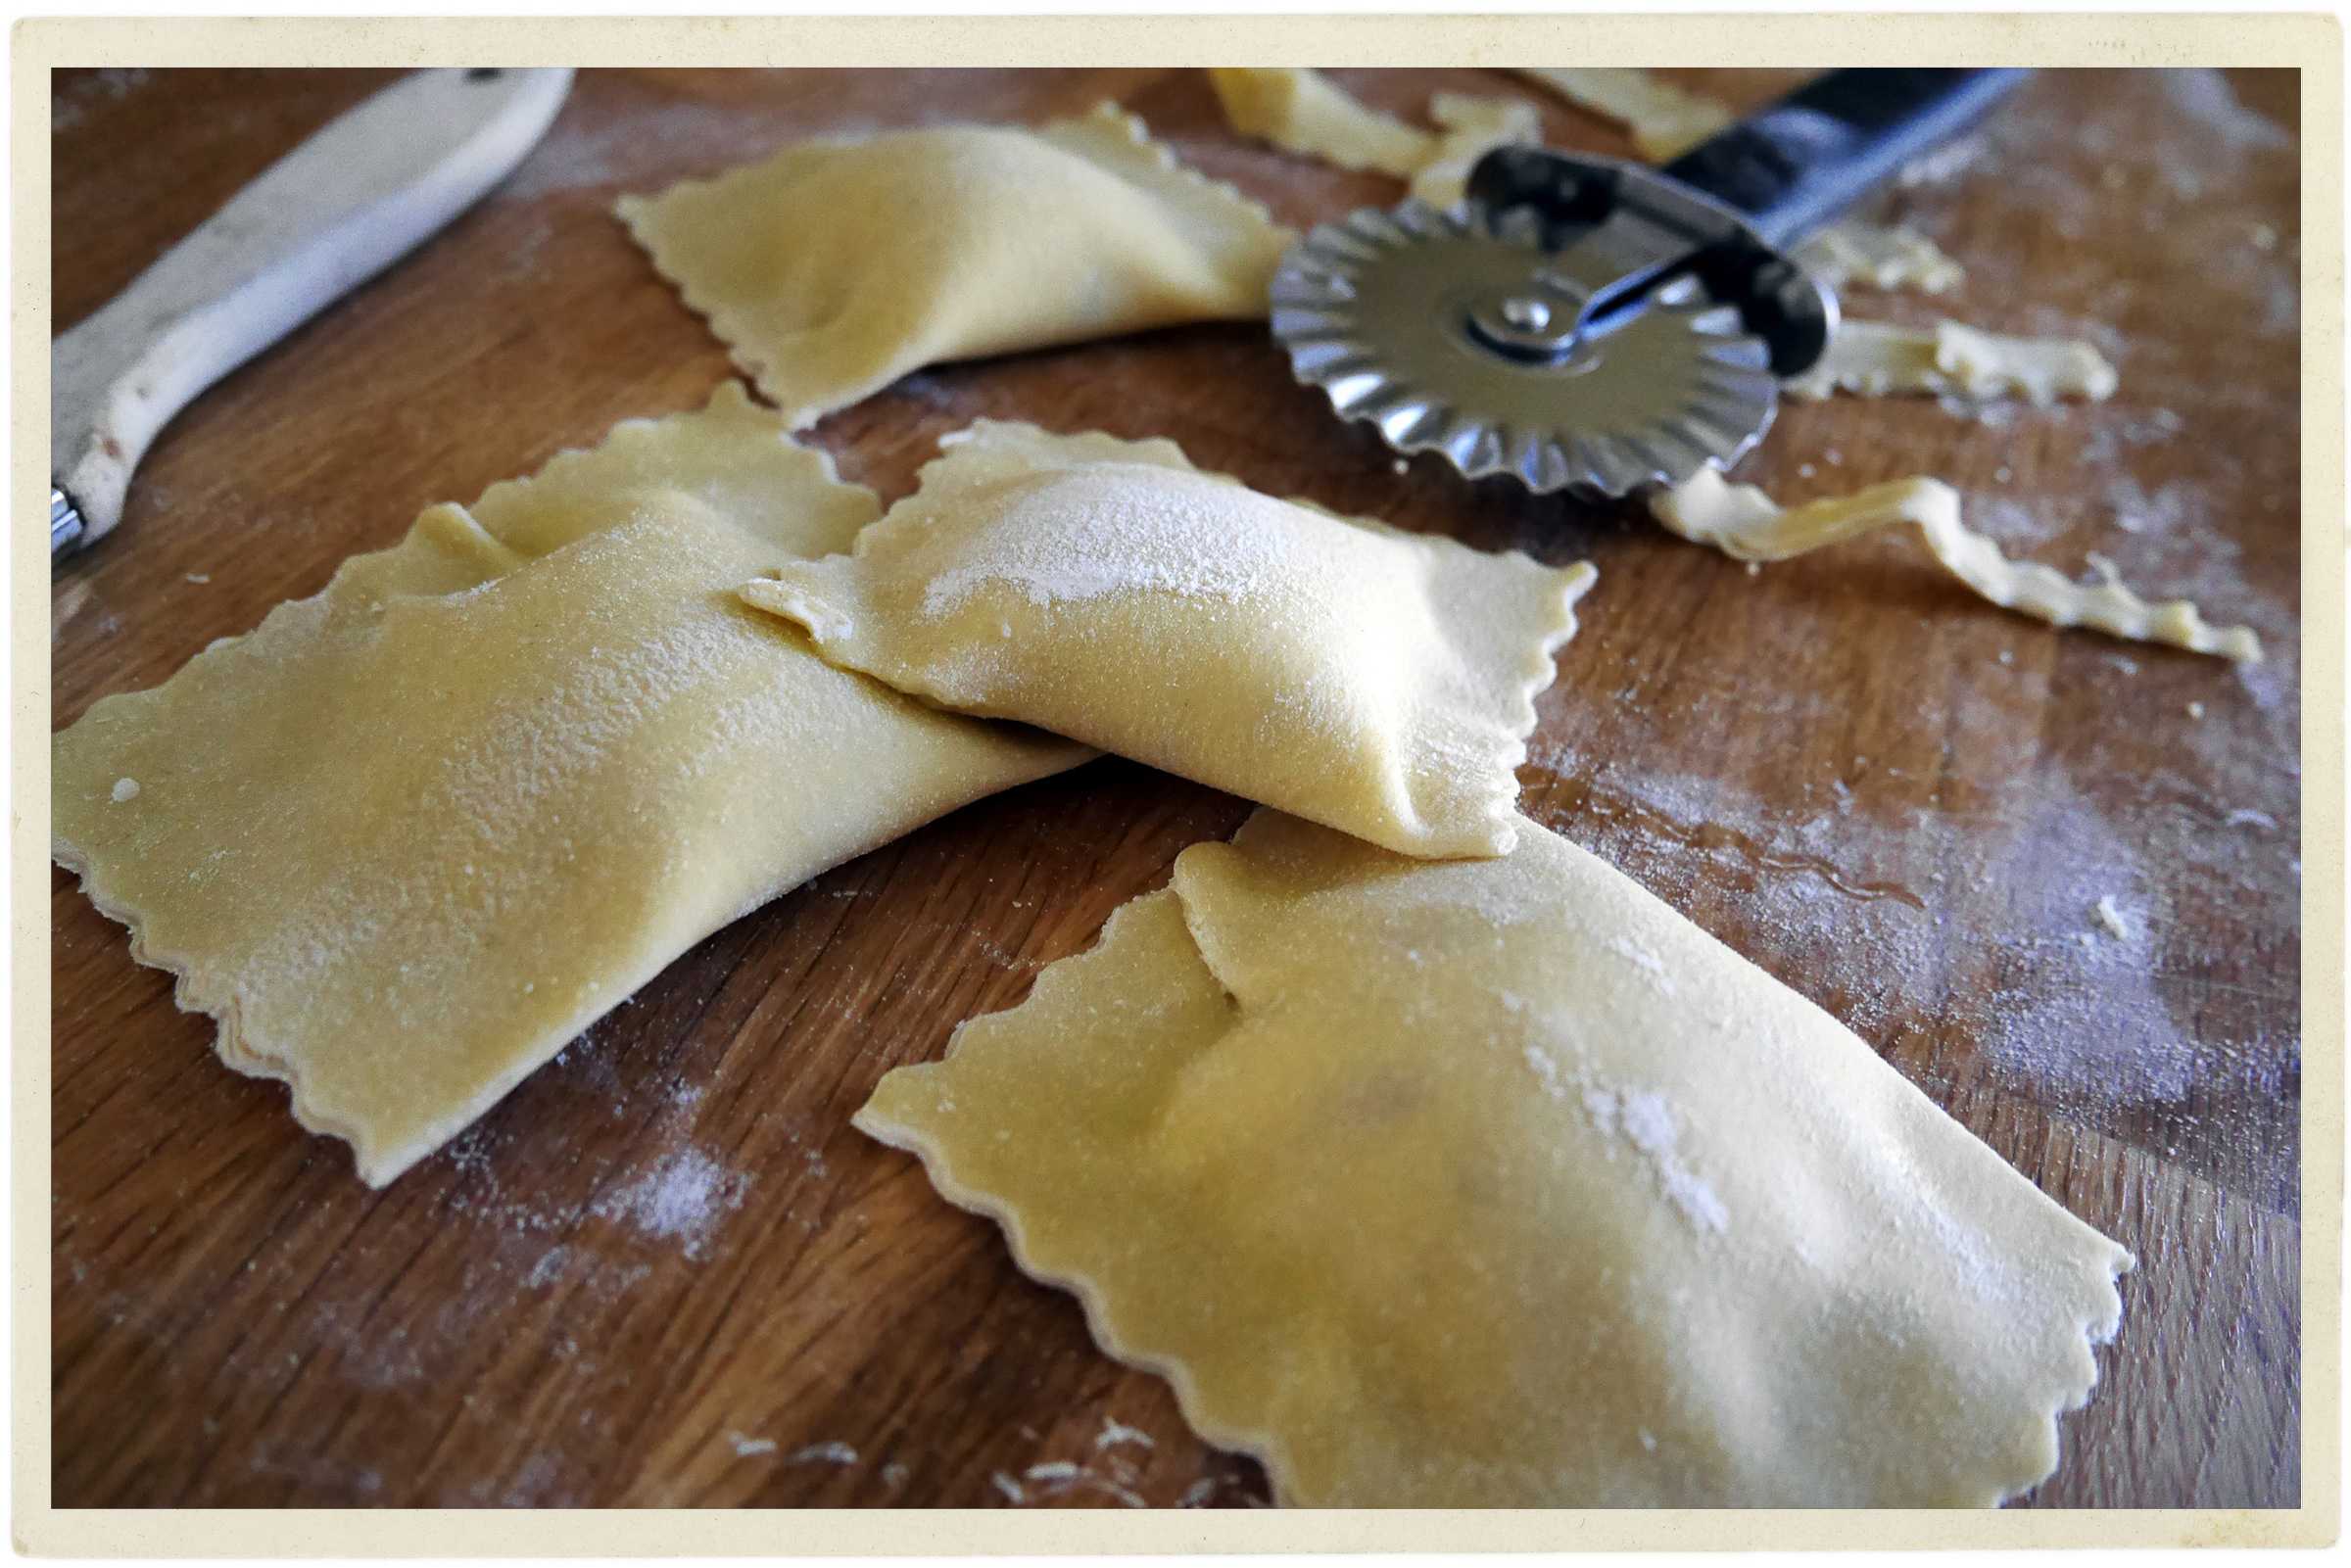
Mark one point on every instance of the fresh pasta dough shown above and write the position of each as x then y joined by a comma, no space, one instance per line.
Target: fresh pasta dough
1879,257
1876,358
1303,111
835,267
1500,1184
1377,680
412,834
1473,127
1743,523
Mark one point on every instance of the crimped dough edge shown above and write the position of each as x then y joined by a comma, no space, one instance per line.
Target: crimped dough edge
1100,1314
727,326
1536,668
2095,1326
204,988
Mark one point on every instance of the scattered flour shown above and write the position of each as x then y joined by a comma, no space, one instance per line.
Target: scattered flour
70,105
826,1453
1645,1118
678,1200
749,1447
1651,967
1060,1476
1113,1433
2206,97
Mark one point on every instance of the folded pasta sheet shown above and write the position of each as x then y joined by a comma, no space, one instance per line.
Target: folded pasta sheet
1377,680
413,834
836,266
1499,1184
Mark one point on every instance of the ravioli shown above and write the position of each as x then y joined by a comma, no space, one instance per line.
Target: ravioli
836,266
411,836
1499,1184
1376,681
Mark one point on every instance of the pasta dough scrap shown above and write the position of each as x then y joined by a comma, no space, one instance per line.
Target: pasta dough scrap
411,836
1500,1184
1897,257
1378,681
1743,522
1473,127
834,268
1665,122
1303,111
1875,358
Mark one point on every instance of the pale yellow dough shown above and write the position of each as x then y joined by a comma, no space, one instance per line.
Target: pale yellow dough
1743,522
1377,680
1499,1184
1473,127
836,266
1880,257
1304,111
1876,358
414,833
1665,122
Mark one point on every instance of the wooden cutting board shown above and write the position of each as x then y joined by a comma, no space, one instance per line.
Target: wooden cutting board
666,1270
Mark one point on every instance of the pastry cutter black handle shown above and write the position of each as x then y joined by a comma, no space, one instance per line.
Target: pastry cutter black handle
1803,159
1722,210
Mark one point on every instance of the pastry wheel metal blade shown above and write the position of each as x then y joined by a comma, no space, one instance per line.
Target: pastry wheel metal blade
1584,323
1386,319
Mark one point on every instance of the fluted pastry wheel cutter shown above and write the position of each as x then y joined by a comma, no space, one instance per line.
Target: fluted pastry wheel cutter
1583,322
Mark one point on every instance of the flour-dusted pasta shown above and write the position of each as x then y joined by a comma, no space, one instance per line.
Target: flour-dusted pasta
836,266
1500,1184
411,836
1376,681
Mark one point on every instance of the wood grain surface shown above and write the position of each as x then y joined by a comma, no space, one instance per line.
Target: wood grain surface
666,1270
